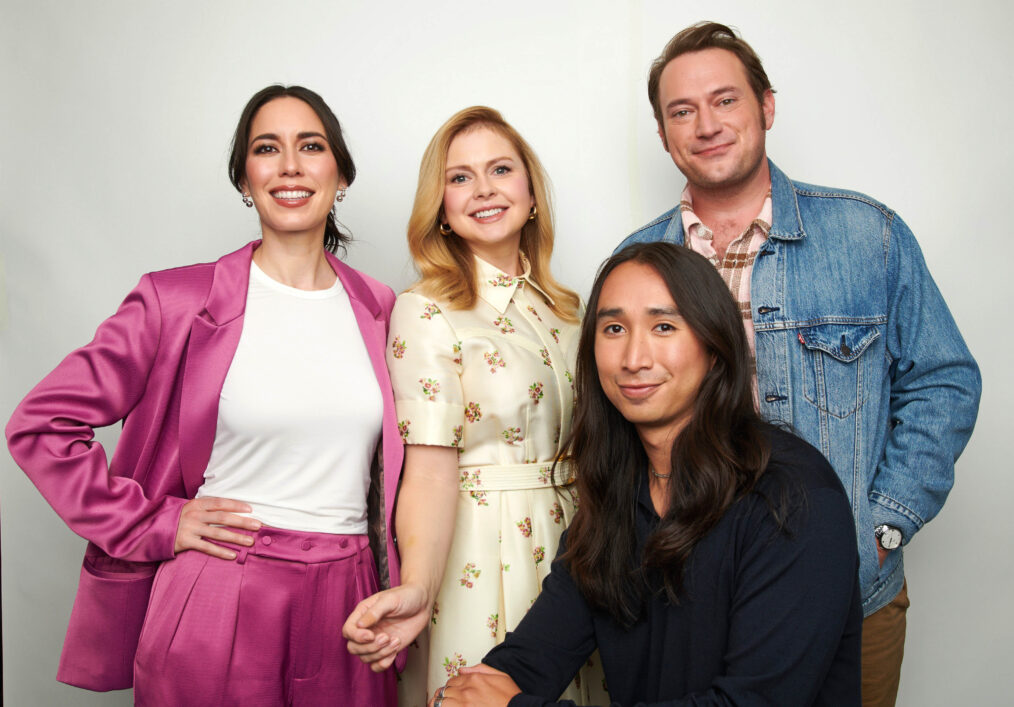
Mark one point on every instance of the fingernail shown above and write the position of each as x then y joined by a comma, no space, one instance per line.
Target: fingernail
247,540
383,640
232,555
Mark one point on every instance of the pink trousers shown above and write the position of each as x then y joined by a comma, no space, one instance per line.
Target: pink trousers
263,629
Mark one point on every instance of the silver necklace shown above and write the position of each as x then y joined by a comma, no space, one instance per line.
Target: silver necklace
657,475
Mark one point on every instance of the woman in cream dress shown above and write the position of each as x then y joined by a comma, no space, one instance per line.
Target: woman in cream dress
481,354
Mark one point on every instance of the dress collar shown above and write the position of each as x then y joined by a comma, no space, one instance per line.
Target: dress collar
497,287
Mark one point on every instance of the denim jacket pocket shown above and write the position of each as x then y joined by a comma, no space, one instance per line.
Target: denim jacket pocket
836,372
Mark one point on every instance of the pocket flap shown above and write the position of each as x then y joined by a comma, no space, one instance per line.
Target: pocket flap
845,342
102,565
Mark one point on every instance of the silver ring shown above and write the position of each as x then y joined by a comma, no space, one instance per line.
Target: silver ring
440,691
437,702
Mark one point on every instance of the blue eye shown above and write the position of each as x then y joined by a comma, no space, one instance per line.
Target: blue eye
458,179
501,170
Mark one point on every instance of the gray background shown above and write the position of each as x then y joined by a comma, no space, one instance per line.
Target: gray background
115,121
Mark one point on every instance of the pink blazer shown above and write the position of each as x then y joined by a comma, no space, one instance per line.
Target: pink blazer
158,365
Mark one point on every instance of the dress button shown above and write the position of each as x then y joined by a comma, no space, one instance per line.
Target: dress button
344,542
266,540
307,544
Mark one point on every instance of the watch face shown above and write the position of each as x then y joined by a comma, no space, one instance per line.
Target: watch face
890,538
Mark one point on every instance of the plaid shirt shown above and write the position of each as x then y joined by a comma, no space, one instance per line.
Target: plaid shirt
737,264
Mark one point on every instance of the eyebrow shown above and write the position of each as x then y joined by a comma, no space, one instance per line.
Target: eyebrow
507,158
300,136
652,311
711,94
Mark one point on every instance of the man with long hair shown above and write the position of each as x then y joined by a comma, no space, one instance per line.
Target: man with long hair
712,559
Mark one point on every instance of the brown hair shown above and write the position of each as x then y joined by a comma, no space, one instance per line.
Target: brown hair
446,265
334,237
707,35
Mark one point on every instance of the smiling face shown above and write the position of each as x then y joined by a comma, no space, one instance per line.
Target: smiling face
650,363
487,197
290,171
712,123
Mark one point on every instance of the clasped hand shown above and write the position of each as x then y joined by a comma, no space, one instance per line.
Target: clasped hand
383,624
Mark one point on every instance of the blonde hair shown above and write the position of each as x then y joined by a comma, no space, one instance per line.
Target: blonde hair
446,265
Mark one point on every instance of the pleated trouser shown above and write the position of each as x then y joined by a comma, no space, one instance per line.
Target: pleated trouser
263,629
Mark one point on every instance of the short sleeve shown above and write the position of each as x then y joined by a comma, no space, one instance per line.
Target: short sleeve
424,358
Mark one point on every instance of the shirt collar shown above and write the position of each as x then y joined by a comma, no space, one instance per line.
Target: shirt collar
701,230
497,287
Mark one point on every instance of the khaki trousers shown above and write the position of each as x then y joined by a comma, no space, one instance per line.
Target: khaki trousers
883,650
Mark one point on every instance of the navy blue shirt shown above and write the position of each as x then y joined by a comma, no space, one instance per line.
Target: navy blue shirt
767,616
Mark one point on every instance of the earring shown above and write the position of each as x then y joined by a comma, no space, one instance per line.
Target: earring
340,196
533,213
445,229
247,200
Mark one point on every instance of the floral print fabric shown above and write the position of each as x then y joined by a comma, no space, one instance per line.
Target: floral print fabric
495,382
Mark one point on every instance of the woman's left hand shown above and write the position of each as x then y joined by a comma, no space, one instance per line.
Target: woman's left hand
383,624
477,686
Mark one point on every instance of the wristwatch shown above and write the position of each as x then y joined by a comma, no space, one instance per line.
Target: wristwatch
888,536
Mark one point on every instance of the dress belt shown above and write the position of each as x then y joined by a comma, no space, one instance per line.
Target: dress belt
511,477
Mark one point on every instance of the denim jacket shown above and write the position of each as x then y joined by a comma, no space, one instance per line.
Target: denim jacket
857,351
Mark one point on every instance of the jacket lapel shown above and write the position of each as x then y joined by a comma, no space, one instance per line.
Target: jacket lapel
373,327
214,336
384,488
368,316
786,222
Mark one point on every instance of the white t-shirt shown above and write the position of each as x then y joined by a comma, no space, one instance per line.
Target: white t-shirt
300,412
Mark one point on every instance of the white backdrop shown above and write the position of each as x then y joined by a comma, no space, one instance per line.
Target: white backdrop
115,121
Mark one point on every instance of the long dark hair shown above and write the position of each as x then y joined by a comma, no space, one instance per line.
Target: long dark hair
716,458
335,238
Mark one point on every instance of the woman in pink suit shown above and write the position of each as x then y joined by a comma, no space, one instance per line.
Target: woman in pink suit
231,533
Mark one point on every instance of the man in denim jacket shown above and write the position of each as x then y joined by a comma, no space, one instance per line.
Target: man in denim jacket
854,345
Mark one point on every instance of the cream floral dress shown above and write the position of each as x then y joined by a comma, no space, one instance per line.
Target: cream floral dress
495,381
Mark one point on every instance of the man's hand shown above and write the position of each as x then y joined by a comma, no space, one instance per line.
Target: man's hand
881,552
478,686
383,624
